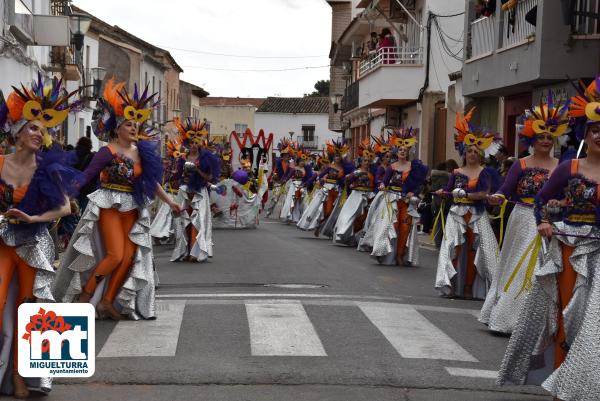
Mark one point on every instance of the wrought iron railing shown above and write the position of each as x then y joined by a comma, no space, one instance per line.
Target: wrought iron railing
350,99
586,17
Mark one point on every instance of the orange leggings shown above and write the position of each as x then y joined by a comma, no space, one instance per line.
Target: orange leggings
471,252
192,232
11,263
359,222
403,225
120,251
329,203
566,283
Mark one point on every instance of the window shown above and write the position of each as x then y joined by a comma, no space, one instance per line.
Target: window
308,133
241,128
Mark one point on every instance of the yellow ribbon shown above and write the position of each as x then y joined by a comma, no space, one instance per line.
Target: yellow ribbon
501,217
440,215
534,249
344,197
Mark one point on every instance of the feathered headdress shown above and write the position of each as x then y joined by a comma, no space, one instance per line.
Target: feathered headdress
174,149
544,119
117,106
586,105
43,102
300,153
403,138
366,149
284,146
382,146
224,153
337,148
467,135
193,131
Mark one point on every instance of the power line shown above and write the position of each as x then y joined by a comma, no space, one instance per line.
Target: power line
254,70
238,55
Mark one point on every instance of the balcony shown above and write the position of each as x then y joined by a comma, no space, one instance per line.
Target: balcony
309,142
350,99
483,36
584,24
520,31
391,57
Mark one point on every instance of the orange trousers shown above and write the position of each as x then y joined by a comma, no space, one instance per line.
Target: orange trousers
566,283
329,204
471,252
11,263
120,251
403,226
192,232
359,222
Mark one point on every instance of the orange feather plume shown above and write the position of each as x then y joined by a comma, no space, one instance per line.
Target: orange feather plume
111,95
15,106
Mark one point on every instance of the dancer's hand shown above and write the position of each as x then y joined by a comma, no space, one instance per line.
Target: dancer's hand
545,230
495,200
175,208
21,216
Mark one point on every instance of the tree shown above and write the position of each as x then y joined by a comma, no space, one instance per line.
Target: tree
322,89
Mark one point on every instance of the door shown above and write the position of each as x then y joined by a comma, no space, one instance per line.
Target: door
514,106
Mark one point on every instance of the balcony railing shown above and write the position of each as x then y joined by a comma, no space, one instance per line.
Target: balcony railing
586,18
483,36
397,56
350,99
520,31
309,142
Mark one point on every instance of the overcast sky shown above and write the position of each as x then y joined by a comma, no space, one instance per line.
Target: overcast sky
265,28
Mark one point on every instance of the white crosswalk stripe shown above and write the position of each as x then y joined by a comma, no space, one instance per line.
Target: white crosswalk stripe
282,327
411,334
148,338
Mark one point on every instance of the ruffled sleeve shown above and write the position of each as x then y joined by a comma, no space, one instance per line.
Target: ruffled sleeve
145,185
416,177
92,171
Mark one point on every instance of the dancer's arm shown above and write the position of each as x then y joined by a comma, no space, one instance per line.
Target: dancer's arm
163,196
51,215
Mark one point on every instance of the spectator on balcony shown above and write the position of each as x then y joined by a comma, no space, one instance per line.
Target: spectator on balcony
373,44
388,44
485,8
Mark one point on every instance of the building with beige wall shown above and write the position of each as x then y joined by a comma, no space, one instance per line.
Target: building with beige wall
227,114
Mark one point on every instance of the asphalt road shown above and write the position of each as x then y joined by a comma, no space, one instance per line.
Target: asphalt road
280,315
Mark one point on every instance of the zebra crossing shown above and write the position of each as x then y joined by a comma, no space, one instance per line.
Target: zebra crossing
280,328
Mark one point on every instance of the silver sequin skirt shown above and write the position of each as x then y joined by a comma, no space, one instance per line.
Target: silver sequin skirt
501,308
450,280
529,358
201,219
136,297
380,235
313,213
354,206
163,225
39,254
292,208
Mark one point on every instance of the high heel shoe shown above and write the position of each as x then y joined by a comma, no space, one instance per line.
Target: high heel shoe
107,311
21,391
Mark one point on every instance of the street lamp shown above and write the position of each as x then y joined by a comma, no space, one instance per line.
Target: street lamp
336,99
79,23
98,74
291,135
